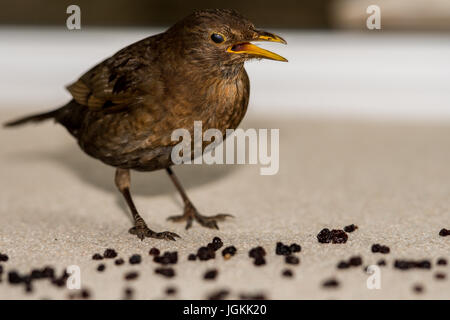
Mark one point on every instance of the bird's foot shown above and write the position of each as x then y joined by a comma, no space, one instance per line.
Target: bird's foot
190,214
142,231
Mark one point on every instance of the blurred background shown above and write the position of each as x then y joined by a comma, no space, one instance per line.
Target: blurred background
337,66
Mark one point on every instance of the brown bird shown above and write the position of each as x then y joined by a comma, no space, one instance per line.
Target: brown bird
125,109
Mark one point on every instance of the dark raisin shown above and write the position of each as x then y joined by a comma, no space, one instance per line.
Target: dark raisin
440,276
257,252
135,259
203,253
166,272
154,252
228,252
355,261
418,288
295,247
219,295
171,291
350,228
110,254
381,262
287,273
338,236
97,256
292,260
192,257
132,275
14,277
259,261
324,236
343,265
210,274
330,283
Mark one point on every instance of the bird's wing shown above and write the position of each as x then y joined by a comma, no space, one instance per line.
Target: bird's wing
118,82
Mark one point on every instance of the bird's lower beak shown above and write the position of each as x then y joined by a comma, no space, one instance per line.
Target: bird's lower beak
253,50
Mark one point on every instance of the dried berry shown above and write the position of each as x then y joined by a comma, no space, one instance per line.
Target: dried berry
338,236
287,273
110,254
14,277
101,267
171,291
97,256
381,262
418,288
440,276
119,262
166,272
167,258
324,236
3,257
257,296
85,294
295,247
333,236
410,264
330,283
379,248
350,228
282,249
355,261
259,261
444,232
219,295
203,253
228,252
216,244
154,252
343,265
442,262
135,259
128,293
132,275
257,252
292,260
210,274
192,257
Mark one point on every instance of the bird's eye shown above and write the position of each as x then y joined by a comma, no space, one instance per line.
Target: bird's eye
217,38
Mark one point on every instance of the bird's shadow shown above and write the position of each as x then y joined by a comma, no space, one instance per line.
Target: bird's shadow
94,173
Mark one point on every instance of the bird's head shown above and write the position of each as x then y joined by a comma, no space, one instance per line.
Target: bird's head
223,38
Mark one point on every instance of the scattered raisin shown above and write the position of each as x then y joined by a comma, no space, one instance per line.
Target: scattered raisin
210,274
135,259
97,256
350,228
166,272
110,254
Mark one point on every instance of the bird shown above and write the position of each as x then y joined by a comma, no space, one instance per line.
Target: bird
124,109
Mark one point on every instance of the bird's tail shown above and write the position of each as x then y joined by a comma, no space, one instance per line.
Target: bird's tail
33,118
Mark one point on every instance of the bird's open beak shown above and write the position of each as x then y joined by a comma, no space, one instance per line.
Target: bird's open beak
251,49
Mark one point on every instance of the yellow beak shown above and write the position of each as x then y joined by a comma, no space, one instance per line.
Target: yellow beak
251,49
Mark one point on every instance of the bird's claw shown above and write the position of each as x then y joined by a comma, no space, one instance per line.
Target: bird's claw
143,231
190,214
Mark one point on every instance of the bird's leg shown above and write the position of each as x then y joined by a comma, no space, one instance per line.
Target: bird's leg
140,228
190,212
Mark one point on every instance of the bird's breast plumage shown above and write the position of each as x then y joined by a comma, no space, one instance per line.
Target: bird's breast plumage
140,137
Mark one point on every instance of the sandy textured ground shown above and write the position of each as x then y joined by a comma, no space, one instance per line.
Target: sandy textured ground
59,207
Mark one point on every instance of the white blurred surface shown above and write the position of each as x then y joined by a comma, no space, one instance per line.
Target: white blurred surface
371,74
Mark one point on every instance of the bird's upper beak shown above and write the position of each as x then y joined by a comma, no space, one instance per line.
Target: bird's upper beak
253,50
